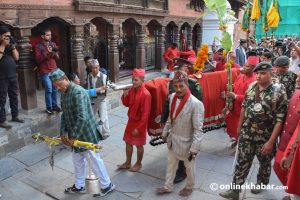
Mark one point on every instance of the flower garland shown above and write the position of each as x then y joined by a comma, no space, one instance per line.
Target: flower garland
201,58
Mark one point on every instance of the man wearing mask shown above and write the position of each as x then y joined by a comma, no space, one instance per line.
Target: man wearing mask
46,54
8,77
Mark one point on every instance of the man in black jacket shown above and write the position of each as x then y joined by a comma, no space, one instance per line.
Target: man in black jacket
8,77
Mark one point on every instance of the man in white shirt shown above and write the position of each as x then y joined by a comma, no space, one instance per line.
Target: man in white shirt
97,79
295,58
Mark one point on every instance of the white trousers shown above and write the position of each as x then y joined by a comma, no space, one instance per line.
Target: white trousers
102,113
172,166
96,164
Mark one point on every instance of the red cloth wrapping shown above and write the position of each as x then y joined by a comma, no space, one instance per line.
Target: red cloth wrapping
158,91
139,103
212,85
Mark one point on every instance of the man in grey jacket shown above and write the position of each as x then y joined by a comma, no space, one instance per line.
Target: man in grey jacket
240,51
183,132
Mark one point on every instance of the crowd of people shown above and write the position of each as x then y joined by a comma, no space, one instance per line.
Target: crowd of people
265,110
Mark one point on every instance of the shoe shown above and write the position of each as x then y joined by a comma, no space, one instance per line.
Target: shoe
5,125
57,109
17,119
257,189
73,189
49,111
179,178
105,191
230,194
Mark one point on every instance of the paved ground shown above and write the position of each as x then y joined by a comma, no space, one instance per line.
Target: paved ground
26,174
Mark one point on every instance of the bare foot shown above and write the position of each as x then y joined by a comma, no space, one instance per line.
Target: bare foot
124,166
185,192
286,198
163,190
135,168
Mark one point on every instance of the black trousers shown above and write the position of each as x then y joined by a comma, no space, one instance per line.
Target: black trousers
9,86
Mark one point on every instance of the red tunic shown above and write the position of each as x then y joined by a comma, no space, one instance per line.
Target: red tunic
139,103
290,125
169,55
293,177
239,88
220,66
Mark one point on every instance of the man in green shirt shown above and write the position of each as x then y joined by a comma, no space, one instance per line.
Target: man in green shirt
78,122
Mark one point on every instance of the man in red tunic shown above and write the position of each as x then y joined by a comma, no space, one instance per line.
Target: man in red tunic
288,136
171,53
291,163
220,66
138,99
290,125
189,55
239,88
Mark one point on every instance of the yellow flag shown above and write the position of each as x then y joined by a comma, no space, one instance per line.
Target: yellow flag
273,15
255,14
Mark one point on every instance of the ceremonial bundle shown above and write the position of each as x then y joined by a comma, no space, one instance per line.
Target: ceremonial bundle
52,141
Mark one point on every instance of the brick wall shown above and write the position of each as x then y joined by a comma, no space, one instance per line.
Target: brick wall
40,2
182,8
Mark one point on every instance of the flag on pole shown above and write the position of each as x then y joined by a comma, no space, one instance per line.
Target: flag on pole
273,15
255,14
246,17
265,19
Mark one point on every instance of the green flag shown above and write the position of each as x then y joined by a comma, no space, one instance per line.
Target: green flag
246,18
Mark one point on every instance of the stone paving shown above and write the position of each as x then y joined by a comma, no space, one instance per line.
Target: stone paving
27,175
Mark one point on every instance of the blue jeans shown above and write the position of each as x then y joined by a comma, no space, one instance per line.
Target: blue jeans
50,92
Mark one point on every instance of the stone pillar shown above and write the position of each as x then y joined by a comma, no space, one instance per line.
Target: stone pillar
189,36
160,63
77,62
176,36
199,38
113,53
140,47
26,74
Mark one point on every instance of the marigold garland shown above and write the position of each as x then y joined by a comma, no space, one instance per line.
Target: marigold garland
201,58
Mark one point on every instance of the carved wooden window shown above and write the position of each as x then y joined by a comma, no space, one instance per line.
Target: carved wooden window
197,5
